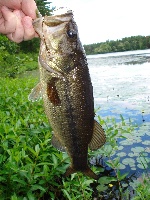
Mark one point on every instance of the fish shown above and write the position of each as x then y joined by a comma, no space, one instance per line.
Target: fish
67,92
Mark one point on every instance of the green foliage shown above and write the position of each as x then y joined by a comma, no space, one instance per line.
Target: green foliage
30,46
14,64
44,7
141,187
9,46
30,168
125,44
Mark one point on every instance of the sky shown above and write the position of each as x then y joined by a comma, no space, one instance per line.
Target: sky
101,20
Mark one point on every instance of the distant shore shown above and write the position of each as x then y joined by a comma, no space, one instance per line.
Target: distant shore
125,44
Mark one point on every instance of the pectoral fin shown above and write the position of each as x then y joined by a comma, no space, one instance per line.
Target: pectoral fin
99,138
57,144
36,93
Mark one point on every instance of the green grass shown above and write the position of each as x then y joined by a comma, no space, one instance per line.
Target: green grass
14,64
31,169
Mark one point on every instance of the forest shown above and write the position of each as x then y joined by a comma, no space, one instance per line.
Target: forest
125,44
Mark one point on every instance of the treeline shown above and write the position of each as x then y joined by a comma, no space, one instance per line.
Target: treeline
125,44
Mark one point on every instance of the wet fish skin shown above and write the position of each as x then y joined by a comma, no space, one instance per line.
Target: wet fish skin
67,91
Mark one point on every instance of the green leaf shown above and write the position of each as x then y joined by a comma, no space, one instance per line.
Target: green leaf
37,149
30,196
19,181
32,151
101,188
67,194
55,161
110,164
14,197
37,187
44,163
106,180
37,175
116,162
121,177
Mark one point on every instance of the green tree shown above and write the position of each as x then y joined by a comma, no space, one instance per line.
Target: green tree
103,48
44,7
121,46
125,44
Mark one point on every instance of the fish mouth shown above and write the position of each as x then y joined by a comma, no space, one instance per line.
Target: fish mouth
53,31
55,20
59,16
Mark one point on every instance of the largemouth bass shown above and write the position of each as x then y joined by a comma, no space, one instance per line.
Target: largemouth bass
66,88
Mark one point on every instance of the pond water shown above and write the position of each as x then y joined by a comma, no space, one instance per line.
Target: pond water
121,83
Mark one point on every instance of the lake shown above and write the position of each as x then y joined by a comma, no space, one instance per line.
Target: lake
121,83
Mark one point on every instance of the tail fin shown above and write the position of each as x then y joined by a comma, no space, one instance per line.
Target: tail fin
87,172
90,173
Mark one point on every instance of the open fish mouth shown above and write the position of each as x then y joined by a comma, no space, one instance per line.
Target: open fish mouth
62,37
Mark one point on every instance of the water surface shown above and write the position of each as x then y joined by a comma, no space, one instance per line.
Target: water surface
121,83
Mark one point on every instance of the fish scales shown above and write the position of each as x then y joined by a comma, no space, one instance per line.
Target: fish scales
67,91
73,118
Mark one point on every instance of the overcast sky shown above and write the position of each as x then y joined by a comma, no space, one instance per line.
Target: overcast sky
101,20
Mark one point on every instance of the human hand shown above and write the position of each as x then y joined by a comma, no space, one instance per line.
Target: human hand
16,19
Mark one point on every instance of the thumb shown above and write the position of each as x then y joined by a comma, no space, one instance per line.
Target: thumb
29,8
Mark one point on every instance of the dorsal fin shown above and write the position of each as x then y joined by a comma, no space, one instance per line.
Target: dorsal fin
99,138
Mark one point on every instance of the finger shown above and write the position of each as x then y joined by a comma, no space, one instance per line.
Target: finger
18,34
29,31
7,21
29,8
13,4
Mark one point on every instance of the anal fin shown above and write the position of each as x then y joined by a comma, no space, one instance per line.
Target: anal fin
99,137
57,144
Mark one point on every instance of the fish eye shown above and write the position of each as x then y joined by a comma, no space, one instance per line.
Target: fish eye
71,33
